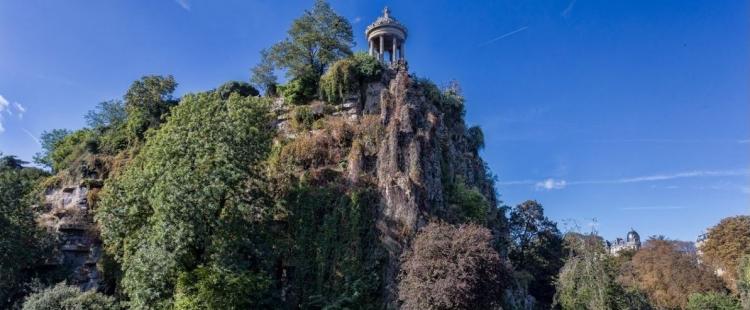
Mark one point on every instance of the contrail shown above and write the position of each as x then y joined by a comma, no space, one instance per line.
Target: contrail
32,136
504,36
651,208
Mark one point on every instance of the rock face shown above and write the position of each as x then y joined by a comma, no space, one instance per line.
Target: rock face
422,152
78,247
423,149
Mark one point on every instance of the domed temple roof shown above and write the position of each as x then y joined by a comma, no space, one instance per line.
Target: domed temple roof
385,21
633,236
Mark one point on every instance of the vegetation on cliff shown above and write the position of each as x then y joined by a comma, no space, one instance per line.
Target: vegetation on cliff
229,199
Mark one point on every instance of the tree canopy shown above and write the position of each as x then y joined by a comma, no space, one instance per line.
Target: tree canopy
725,244
190,199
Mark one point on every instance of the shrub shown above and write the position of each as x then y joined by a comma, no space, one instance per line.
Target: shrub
451,267
217,288
712,301
475,138
302,118
467,204
349,75
241,88
300,90
66,297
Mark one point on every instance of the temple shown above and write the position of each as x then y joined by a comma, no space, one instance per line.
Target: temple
387,36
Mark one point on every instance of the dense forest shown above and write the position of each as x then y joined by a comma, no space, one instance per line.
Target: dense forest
353,185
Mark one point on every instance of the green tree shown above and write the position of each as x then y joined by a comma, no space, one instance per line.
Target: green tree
316,39
22,244
263,75
49,140
147,101
106,113
537,248
588,278
66,297
712,301
193,196
241,88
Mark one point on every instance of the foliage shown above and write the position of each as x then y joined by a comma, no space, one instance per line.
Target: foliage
743,281
302,118
712,301
449,99
475,138
106,113
263,76
301,89
668,275
316,39
725,244
70,148
333,245
147,101
241,88
349,75
537,247
217,288
588,278
66,297
467,204
451,267
49,140
192,196
22,244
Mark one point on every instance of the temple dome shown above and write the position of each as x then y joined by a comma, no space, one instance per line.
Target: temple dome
386,21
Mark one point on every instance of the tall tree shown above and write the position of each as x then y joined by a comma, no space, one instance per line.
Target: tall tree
316,39
537,248
147,101
192,199
725,244
106,113
668,275
263,75
588,278
49,139
21,242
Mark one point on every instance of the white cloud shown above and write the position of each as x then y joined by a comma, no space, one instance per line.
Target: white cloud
653,208
184,4
672,176
6,107
550,184
357,20
745,141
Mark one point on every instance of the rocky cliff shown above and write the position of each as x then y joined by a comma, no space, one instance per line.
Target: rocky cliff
415,158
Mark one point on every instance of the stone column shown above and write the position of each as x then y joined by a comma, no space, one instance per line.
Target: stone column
371,47
394,50
403,53
382,45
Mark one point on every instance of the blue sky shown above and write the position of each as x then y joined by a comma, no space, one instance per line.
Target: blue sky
632,113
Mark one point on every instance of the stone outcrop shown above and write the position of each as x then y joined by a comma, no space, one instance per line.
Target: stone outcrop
69,219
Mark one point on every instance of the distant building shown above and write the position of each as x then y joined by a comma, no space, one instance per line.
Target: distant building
632,242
